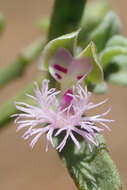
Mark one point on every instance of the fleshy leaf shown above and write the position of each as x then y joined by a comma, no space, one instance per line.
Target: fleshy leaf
119,78
109,26
120,75
121,61
92,18
109,53
96,75
67,41
114,58
91,170
117,40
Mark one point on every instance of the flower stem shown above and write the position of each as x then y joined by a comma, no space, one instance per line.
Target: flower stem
65,17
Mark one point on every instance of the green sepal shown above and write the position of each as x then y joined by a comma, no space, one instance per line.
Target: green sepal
96,75
91,170
109,26
67,41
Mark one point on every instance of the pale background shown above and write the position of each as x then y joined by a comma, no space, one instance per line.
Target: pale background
20,167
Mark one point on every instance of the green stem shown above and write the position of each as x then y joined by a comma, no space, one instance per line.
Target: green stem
65,17
17,68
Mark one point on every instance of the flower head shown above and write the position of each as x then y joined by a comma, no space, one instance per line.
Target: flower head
53,115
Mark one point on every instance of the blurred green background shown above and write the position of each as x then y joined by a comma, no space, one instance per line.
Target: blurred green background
20,167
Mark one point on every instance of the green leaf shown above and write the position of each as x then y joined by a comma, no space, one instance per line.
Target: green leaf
109,26
120,61
93,15
117,40
114,60
91,170
96,75
109,53
67,41
120,76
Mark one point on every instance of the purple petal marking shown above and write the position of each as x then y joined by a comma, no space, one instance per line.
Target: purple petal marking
79,77
60,68
58,76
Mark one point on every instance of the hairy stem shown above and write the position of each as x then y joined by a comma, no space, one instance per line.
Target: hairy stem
91,170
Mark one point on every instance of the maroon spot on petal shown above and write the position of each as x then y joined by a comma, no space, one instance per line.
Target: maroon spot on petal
58,76
60,68
79,77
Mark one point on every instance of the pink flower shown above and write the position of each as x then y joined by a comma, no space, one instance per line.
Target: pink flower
53,116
